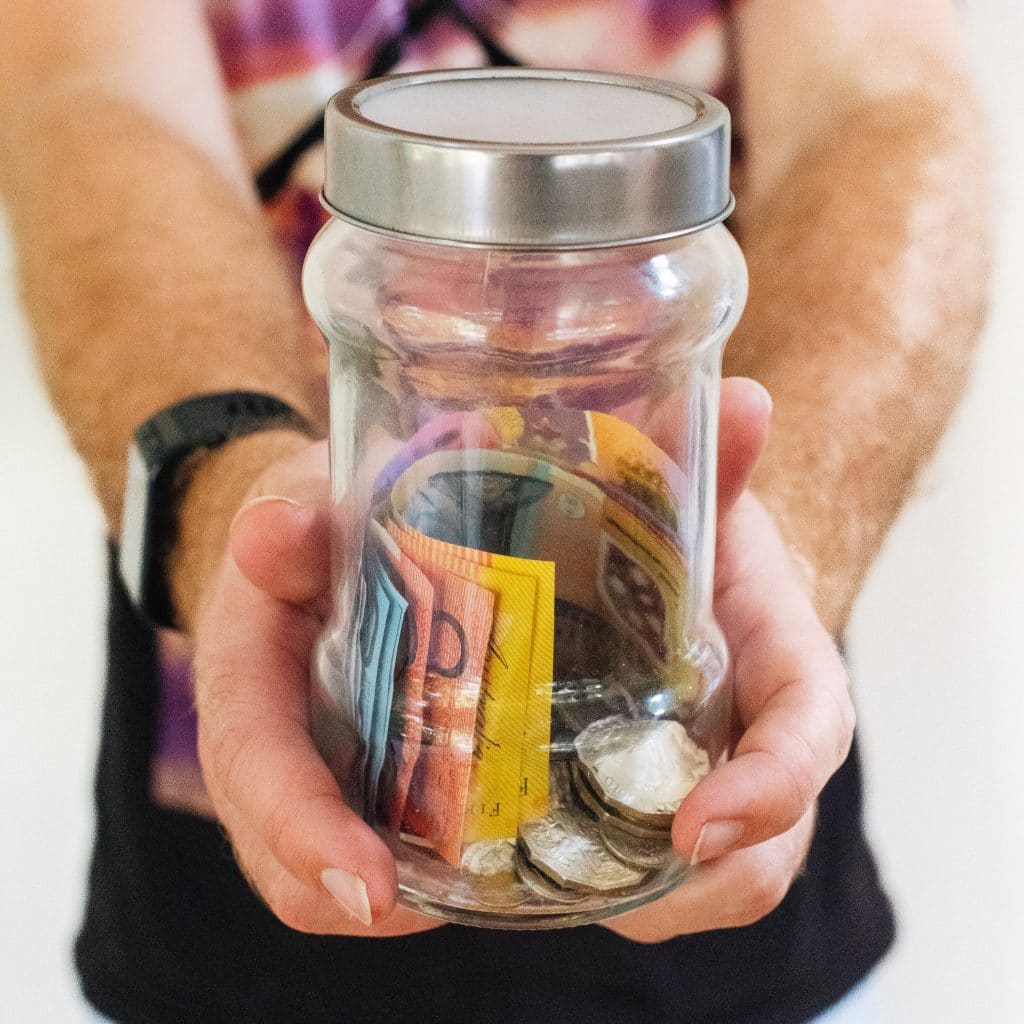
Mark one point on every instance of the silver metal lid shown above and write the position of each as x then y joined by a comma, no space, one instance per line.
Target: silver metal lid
531,158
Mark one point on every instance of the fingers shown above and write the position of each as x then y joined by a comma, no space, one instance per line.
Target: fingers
791,697
281,538
777,773
731,892
266,779
313,910
744,410
313,861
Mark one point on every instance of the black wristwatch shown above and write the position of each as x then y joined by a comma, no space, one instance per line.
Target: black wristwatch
162,450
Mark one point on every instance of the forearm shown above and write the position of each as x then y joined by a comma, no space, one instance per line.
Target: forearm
145,268
868,262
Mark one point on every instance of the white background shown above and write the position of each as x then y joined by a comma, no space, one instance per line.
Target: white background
938,682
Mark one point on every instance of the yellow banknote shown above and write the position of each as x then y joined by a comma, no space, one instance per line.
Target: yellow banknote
615,558
598,445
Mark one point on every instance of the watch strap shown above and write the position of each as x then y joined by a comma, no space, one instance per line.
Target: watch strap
162,448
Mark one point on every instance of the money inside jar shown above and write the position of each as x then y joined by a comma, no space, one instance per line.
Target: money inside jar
566,848
637,851
462,621
489,867
642,768
584,793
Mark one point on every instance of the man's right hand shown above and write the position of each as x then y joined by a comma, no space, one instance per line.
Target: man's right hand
312,860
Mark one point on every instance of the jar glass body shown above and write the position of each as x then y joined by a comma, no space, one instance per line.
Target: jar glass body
522,676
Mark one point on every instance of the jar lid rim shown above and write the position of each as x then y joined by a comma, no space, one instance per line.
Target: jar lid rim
588,192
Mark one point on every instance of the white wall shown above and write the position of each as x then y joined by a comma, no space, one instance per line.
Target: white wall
933,644
51,650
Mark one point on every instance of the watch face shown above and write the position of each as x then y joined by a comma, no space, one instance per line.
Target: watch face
133,520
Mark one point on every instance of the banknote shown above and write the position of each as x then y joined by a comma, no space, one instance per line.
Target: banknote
443,431
493,807
599,446
407,716
613,559
379,638
513,735
605,448
473,504
461,618
370,625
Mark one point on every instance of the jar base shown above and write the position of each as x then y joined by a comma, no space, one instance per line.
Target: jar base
535,913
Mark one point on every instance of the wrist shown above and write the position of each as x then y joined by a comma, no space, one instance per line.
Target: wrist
219,482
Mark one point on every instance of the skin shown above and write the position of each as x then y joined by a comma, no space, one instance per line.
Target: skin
867,246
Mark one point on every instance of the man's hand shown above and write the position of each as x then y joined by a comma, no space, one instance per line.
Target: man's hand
749,823
298,843
317,865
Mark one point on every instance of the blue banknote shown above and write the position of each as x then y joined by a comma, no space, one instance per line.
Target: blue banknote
379,640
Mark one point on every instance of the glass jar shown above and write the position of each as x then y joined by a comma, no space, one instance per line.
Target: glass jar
525,290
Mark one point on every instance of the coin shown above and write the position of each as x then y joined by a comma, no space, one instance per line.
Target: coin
560,791
590,801
566,847
489,868
641,768
541,886
634,850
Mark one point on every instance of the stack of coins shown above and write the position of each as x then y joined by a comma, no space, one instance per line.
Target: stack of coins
640,769
631,775
610,823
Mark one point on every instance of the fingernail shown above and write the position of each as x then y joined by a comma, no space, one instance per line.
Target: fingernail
716,838
350,891
764,395
262,500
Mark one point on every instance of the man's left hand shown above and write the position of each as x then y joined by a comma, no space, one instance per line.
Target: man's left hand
747,826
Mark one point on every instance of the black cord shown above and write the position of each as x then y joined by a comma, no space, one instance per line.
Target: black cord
274,175
496,56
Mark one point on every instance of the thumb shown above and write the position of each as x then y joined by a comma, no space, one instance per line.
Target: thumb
744,410
282,546
280,538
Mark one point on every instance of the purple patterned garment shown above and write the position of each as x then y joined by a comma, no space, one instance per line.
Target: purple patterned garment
282,61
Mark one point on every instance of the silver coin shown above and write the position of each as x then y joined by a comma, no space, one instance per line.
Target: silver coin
541,886
592,804
634,850
489,868
566,847
649,823
560,785
641,768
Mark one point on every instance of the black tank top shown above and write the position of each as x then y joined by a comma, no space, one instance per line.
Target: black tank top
173,934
